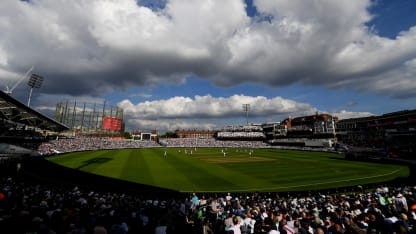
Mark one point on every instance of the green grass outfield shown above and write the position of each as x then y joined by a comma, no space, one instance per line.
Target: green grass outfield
207,170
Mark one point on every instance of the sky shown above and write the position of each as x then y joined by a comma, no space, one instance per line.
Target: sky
185,64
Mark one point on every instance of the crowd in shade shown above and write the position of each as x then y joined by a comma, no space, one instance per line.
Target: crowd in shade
27,207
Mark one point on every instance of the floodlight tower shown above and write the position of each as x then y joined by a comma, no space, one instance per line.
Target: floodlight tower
9,90
35,81
246,108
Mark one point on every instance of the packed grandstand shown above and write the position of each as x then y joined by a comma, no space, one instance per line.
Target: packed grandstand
29,204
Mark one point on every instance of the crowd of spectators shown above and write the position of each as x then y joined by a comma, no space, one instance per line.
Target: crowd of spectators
62,145
242,132
241,135
27,207
242,128
211,142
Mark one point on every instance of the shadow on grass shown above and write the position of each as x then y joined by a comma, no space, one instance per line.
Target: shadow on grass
40,170
87,163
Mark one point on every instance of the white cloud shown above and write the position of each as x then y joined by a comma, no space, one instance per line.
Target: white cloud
102,45
344,114
169,125
207,112
203,111
92,48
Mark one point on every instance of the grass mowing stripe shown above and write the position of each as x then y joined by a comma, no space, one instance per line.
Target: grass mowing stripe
195,171
170,173
203,174
135,167
207,175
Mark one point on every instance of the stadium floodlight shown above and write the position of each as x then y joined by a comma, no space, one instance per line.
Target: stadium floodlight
9,90
35,81
246,108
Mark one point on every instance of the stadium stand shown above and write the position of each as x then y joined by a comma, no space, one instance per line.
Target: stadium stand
31,205
212,142
14,111
65,145
391,134
36,197
21,127
305,131
242,132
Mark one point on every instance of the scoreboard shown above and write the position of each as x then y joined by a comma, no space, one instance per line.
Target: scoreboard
111,123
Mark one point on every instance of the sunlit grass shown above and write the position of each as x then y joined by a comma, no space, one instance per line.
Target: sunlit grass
208,170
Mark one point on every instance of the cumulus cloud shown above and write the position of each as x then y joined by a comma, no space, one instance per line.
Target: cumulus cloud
93,48
98,46
344,114
204,112
170,125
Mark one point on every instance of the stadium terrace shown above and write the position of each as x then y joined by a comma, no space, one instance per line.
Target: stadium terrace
38,196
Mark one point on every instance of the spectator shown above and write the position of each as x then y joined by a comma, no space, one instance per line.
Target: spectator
235,228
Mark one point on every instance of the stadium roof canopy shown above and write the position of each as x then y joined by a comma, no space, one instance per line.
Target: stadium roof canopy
13,110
